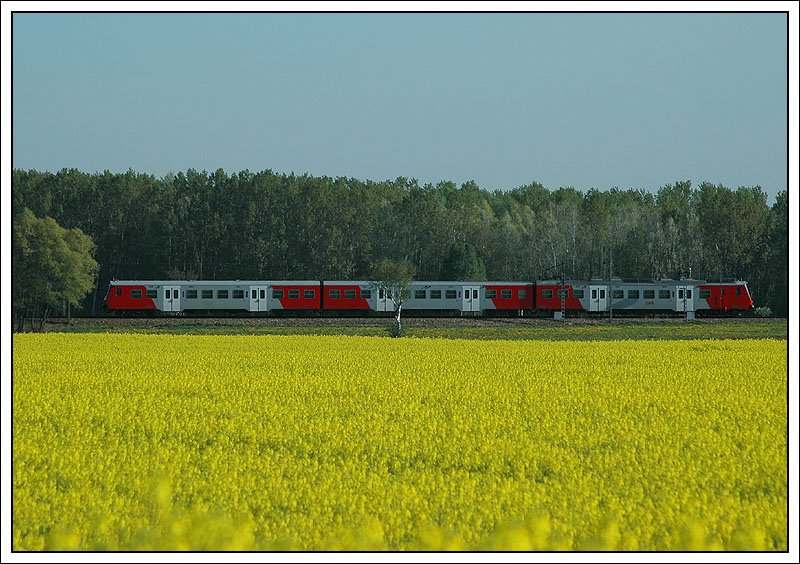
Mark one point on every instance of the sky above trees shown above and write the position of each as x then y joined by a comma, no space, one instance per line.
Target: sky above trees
582,100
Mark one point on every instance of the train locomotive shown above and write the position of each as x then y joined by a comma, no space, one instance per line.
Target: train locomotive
555,298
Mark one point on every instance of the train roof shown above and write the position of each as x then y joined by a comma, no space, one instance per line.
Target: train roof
213,282
472,282
548,281
641,281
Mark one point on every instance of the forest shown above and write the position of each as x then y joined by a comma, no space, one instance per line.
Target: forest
266,225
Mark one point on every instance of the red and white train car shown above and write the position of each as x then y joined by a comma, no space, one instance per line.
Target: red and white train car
275,297
644,296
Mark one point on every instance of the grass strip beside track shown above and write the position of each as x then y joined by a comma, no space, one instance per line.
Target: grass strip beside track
507,329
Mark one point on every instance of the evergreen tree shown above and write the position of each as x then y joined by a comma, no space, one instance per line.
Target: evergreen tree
463,263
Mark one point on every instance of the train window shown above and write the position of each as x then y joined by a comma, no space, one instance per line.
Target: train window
294,294
382,293
350,294
119,291
276,294
207,294
222,294
191,294
491,294
664,294
602,294
136,294
563,294
594,294
336,294
253,294
680,294
450,294
166,294
547,294
175,294
705,294
475,294
618,294
264,293
366,294
578,293
152,293
649,294
688,294
419,294
633,294
308,294
238,294
436,294
723,291
505,294
738,291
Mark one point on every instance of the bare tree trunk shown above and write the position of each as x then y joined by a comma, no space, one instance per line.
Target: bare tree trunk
398,329
45,313
21,320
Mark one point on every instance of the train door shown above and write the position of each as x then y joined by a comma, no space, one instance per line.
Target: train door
685,298
172,298
470,300
384,301
598,298
259,298
724,297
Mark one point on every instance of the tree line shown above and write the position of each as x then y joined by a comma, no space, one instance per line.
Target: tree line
265,225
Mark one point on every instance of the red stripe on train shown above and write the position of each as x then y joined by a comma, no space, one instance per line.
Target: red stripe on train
343,302
512,301
119,297
553,302
302,301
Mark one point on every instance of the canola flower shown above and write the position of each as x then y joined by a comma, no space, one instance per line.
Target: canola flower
165,442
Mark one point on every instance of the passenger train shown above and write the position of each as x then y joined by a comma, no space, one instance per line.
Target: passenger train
556,298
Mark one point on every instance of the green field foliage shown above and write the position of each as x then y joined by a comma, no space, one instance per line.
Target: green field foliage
185,442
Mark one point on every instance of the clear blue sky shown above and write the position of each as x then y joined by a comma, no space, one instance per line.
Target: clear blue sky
582,100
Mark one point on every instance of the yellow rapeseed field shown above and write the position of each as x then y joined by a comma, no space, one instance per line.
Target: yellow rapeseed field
165,442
